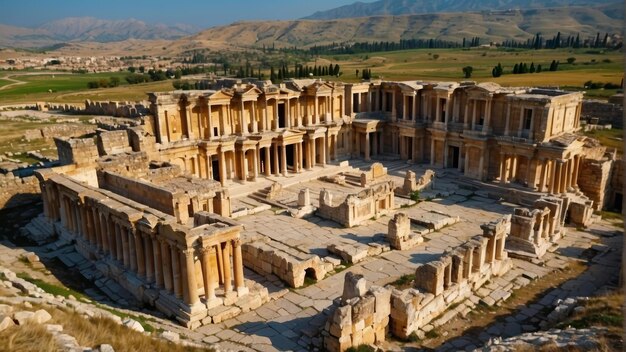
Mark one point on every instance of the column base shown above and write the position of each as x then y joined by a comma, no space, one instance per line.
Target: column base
214,302
242,291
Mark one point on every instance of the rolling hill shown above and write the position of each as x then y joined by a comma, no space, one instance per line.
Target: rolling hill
489,26
406,7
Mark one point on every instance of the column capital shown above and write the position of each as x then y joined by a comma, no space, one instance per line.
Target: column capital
236,242
187,251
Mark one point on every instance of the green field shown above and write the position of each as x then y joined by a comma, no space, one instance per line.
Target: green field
37,84
447,64
420,64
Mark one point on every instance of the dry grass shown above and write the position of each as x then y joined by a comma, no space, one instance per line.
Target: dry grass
96,331
27,338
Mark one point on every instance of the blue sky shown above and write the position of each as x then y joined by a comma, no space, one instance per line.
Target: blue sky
201,13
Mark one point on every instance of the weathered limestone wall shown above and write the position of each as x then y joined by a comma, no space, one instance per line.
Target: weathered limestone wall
371,202
82,152
146,193
376,172
113,142
107,108
16,191
61,130
593,179
130,165
600,112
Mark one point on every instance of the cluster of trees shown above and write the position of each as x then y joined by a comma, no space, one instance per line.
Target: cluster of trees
153,75
560,41
523,67
370,47
104,83
301,71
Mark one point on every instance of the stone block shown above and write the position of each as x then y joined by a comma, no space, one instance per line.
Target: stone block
354,286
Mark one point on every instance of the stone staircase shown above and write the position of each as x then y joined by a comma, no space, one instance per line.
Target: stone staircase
39,230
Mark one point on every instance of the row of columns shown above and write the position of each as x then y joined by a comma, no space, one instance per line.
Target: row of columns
560,176
157,261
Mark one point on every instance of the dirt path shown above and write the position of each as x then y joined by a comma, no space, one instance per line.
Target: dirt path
18,82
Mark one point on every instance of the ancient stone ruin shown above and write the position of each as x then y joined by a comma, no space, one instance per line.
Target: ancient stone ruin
371,202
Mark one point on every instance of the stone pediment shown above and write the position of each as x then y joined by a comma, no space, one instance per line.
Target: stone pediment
220,95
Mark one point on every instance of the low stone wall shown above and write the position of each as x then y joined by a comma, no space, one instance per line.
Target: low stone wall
412,183
63,130
270,257
16,191
371,202
107,108
600,112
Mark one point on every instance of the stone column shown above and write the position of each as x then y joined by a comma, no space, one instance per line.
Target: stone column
255,126
487,122
405,107
576,170
367,146
139,250
176,271
553,181
158,263
119,244
148,258
207,273
288,113
542,177
242,119
313,152
125,245
438,109
276,167
222,163
414,116
283,160
132,250
255,161
189,277
316,118
238,267
209,120
432,151
167,266
275,114
226,265
466,163
244,166
559,175
267,164
481,164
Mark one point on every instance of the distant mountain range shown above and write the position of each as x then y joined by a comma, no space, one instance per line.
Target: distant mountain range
82,29
489,26
407,7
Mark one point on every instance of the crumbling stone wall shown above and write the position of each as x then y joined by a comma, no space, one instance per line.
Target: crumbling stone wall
371,202
376,172
359,317
412,183
16,191
61,130
292,266
399,233
82,152
107,108
364,317
451,279
113,142
593,180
